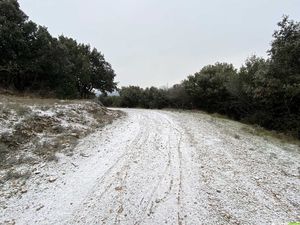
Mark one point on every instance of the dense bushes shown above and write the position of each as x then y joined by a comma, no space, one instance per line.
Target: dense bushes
32,60
207,89
133,96
262,91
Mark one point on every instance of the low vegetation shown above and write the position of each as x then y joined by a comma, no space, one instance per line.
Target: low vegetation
35,130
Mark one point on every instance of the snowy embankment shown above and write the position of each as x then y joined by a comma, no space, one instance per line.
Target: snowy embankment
34,132
161,167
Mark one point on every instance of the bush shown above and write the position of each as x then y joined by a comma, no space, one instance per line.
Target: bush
263,91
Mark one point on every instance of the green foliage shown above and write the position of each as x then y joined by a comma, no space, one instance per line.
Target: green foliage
207,88
177,97
112,101
246,87
263,92
153,98
32,60
131,96
136,97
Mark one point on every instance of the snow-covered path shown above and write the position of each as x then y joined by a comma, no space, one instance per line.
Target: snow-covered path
162,167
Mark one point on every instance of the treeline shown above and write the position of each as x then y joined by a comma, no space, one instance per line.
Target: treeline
263,91
32,60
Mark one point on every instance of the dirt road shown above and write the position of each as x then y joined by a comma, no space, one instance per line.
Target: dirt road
161,167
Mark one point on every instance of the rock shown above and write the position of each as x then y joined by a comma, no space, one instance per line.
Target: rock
74,135
37,172
52,179
74,164
118,188
23,190
22,183
9,195
69,154
39,207
58,128
66,145
84,155
120,210
236,136
10,222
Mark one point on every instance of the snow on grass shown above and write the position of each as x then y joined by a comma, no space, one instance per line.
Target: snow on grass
33,131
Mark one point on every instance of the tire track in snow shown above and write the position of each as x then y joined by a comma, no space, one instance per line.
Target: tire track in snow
136,143
149,208
180,168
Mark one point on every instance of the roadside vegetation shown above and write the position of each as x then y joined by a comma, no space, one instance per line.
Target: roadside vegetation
265,92
36,130
31,60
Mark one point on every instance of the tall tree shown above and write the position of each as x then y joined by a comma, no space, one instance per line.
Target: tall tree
31,59
207,88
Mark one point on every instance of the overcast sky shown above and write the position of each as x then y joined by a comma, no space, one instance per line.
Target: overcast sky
160,42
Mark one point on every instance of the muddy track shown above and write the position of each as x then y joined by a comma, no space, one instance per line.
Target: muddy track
161,167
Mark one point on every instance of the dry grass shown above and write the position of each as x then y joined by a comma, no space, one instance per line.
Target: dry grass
32,100
17,174
249,128
43,127
260,131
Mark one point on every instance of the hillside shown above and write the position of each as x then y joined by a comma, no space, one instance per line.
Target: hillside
35,131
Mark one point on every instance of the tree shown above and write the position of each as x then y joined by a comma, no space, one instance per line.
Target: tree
247,87
177,97
285,73
131,96
13,29
102,73
207,88
285,62
285,51
12,21
32,60
153,98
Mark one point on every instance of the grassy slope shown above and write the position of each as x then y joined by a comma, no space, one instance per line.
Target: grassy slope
33,130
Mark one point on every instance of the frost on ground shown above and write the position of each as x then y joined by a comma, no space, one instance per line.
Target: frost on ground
161,167
35,131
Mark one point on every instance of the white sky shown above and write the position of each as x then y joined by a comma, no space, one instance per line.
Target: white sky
160,42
